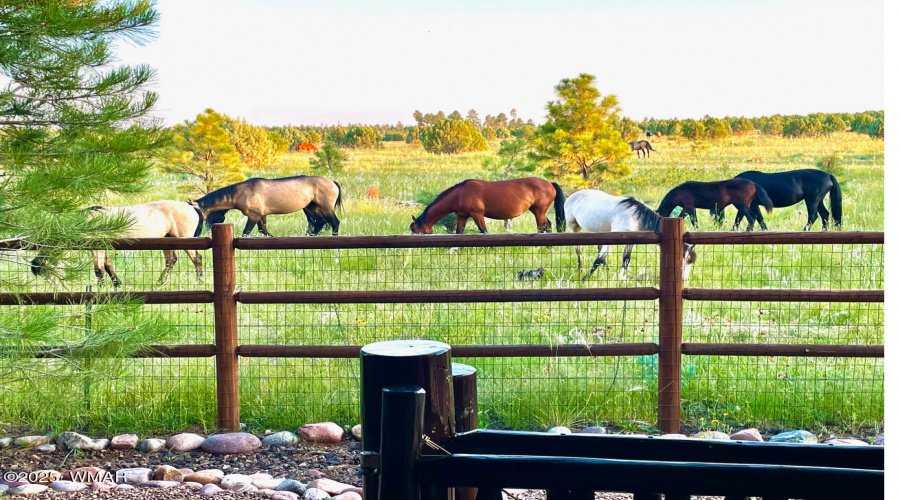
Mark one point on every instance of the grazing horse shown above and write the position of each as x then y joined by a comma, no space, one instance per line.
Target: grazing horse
305,146
158,219
495,200
745,195
257,198
642,146
598,212
791,187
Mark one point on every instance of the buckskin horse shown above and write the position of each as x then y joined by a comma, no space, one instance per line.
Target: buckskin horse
745,195
641,146
257,198
595,211
792,187
501,200
158,219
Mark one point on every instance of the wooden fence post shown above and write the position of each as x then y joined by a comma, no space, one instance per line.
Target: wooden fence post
465,409
225,313
671,257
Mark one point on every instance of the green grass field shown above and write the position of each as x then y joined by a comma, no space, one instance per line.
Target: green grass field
718,392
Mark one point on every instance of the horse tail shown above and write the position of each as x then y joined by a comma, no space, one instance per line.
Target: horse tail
339,202
836,209
216,217
200,220
559,206
762,197
650,146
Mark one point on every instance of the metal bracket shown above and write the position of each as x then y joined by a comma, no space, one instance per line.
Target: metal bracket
369,462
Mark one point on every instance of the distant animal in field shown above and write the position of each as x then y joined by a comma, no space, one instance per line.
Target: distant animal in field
258,198
745,195
305,146
158,219
535,274
477,199
642,146
594,211
649,134
789,188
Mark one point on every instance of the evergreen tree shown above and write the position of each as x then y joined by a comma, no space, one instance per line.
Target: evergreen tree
203,150
578,136
472,116
329,157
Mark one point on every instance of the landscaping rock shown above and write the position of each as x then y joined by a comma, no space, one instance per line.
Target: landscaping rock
192,485
233,442
559,429
28,489
846,442
86,475
151,445
356,431
3,489
46,448
134,475
67,441
68,486
291,485
718,435
350,495
329,486
208,476
751,434
236,482
108,485
593,430
168,473
315,494
284,495
798,436
31,441
124,442
159,484
186,441
210,490
267,484
282,438
45,476
879,440
323,432
5,442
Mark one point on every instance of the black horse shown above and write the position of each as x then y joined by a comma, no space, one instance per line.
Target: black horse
745,195
789,188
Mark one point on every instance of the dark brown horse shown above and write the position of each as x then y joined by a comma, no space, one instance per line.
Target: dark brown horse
318,197
641,146
745,195
495,200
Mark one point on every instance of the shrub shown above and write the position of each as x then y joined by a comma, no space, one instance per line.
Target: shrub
452,136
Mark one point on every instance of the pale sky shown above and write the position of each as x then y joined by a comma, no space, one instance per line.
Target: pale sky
326,62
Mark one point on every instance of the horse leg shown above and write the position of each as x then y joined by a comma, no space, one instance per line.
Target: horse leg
461,223
812,212
543,223
249,227
824,214
507,223
110,270
579,251
99,257
261,226
603,251
479,221
626,260
197,259
333,222
759,217
310,220
171,258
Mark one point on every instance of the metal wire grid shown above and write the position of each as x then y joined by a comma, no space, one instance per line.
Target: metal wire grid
440,269
137,270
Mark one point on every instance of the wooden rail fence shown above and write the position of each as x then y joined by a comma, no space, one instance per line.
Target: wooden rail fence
670,296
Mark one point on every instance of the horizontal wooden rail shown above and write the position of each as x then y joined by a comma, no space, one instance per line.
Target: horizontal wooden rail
781,295
447,240
459,351
491,442
446,296
155,351
671,478
72,298
798,350
784,238
126,244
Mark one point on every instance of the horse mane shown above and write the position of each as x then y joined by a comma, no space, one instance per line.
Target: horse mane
667,200
648,220
421,219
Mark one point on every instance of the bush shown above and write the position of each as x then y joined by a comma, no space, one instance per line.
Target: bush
452,136
832,164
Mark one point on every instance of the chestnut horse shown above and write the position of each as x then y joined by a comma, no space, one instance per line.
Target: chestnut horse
305,146
746,196
495,200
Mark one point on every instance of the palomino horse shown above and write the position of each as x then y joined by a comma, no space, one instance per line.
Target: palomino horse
745,195
256,198
791,187
598,212
641,146
158,219
495,200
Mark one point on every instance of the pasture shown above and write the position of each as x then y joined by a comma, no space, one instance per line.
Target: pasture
718,392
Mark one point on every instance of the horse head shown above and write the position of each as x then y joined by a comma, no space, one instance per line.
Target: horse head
690,257
417,228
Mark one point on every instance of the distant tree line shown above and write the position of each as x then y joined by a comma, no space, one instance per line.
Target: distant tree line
813,125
